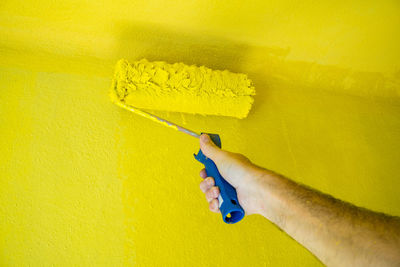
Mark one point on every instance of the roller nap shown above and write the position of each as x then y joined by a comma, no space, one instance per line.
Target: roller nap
182,88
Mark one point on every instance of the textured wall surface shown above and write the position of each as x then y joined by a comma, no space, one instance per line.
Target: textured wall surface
85,183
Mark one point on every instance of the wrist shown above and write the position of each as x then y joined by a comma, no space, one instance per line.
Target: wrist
268,202
257,183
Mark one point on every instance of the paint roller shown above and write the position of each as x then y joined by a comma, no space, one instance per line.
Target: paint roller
144,85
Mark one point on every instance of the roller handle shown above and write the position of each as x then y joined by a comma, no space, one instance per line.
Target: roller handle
229,205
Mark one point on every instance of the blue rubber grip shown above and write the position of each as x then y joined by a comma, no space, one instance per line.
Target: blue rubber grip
229,205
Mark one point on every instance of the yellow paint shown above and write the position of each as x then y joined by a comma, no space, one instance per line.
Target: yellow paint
84,183
181,88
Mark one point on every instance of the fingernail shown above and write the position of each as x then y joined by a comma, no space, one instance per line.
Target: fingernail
205,138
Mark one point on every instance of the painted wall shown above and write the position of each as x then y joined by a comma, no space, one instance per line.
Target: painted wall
84,183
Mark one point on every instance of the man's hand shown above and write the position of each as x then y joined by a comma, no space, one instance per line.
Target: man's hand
236,170
317,221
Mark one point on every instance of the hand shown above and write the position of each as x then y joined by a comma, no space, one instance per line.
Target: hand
316,220
237,170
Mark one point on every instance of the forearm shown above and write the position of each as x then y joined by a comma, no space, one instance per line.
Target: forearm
337,232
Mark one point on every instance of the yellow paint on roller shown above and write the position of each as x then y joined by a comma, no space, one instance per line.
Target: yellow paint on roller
181,88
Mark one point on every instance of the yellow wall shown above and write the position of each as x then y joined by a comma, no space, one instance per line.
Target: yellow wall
85,183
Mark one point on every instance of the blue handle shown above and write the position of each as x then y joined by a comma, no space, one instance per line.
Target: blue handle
229,205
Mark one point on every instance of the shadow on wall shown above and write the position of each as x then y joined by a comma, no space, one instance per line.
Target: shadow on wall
134,41
156,42
262,64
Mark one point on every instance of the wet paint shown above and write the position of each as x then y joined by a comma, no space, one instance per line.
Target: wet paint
181,88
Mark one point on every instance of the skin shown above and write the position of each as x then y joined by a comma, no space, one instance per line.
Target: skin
336,232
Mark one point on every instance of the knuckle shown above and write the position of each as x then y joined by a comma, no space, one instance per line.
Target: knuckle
215,192
209,194
206,184
211,206
210,181
212,192
203,173
203,186
214,205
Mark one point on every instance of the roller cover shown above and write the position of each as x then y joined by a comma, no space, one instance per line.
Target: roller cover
182,88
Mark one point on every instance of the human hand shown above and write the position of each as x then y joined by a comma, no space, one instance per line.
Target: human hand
237,170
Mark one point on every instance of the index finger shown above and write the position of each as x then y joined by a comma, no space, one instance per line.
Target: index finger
203,173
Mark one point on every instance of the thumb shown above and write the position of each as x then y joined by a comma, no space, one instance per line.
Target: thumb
210,149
